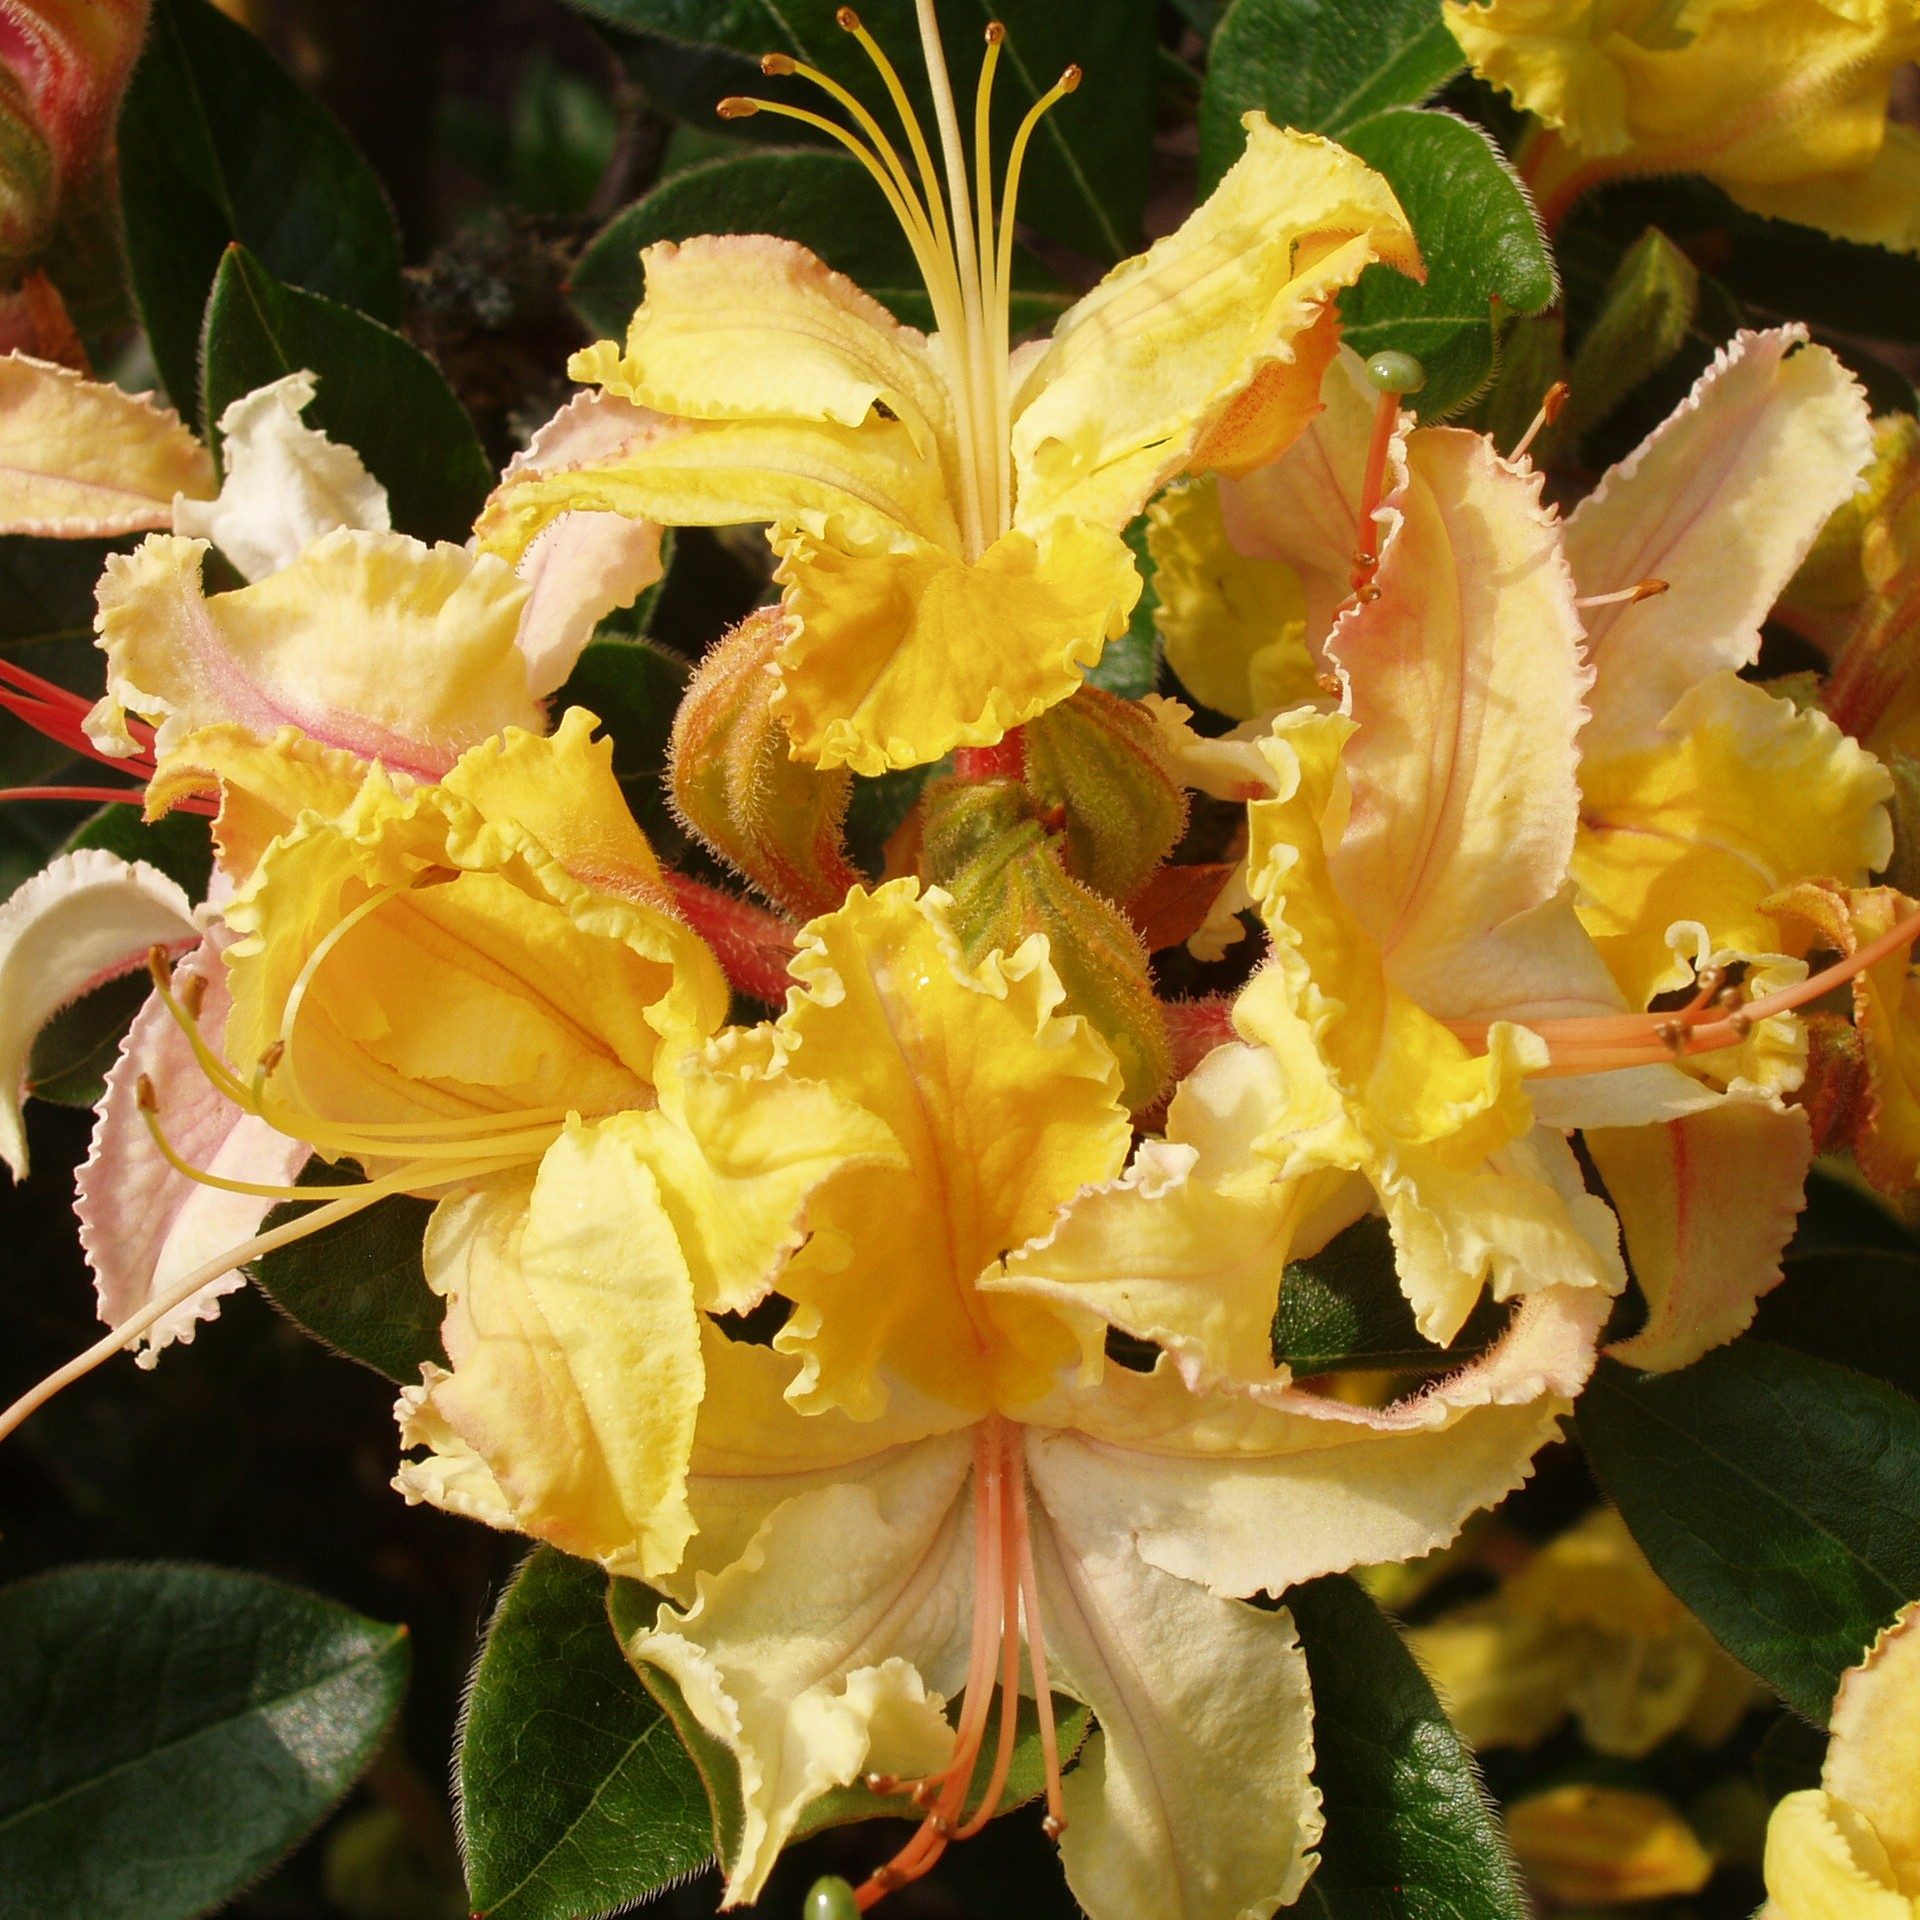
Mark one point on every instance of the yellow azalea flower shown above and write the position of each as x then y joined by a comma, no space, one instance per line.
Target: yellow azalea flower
948,514
924,1496
1679,840
1850,1848
1781,102
1585,1628
478,990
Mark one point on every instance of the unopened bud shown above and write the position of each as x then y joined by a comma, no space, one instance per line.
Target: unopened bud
1007,883
1589,1846
1102,763
774,819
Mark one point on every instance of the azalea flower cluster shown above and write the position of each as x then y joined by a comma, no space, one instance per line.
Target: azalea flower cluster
1562,942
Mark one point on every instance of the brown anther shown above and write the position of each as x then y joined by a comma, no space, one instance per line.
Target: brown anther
1053,1828
996,33
1648,589
847,20
1329,684
160,966
1670,1033
883,1783
273,1056
193,995
1368,594
1555,401
737,107
777,65
144,1096
1742,1025
1070,80
1731,998
1709,983
941,1825
885,1879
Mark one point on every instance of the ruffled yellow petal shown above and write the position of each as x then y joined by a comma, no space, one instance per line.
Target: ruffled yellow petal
1234,625
1752,93
751,327
1873,1763
371,642
576,1358
1822,1863
895,658
79,457
1878,206
1722,502
1689,826
1163,351
805,1657
425,1004
1707,1204
1002,1108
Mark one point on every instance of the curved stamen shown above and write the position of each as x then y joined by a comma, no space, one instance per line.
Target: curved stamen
130,1330
1056,1820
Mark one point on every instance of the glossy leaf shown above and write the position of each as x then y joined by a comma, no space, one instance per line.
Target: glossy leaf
1410,1834
576,1795
1342,1310
1485,254
167,1732
219,144
359,1286
1777,1495
1320,65
73,1052
1087,177
377,392
180,845
1855,1306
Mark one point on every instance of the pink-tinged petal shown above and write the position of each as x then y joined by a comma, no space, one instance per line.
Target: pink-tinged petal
87,918
1707,1204
145,1225
1722,502
1466,684
80,459
1304,508
585,565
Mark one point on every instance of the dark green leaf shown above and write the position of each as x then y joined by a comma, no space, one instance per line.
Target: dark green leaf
823,200
1486,256
1777,1495
359,1286
46,587
1856,1306
1087,177
1842,1212
1342,1309
634,688
218,144
180,845
877,809
73,1051
167,1732
1410,1835
377,392
1321,65
576,1795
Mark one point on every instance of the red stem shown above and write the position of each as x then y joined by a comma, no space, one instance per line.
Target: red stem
752,945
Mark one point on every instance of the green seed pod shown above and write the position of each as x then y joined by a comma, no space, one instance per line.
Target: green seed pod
1392,372
830,1898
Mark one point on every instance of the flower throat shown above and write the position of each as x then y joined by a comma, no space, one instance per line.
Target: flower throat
961,236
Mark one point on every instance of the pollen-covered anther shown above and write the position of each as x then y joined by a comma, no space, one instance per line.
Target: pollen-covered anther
1052,1828
737,107
193,995
1649,589
847,20
777,65
996,32
1069,81
1551,406
144,1096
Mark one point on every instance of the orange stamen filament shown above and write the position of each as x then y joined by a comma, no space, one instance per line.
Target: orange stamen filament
1554,400
1603,1043
1005,1598
1626,597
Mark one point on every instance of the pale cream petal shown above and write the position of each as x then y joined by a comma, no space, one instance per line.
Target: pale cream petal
143,1224
286,483
372,642
80,458
1873,1763
1822,1863
1195,1797
827,1631
1707,1205
1722,502
84,919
